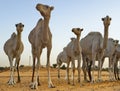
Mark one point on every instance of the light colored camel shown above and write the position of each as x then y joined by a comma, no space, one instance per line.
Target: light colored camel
73,51
109,52
94,45
13,49
62,58
41,37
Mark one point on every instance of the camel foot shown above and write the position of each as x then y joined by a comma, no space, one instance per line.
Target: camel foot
73,84
99,80
18,81
68,82
11,82
112,79
86,81
51,85
92,81
33,85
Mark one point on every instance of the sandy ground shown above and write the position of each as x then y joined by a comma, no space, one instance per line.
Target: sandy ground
60,85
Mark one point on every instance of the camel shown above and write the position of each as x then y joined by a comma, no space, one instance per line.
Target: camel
13,49
41,37
73,51
117,58
109,52
62,58
94,45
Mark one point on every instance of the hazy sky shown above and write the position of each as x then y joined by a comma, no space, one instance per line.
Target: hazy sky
66,15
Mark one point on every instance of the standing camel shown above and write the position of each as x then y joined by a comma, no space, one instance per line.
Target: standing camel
13,49
73,51
62,58
109,52
94,45
41,37
117,59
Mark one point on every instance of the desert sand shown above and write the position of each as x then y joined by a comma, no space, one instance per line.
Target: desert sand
60,84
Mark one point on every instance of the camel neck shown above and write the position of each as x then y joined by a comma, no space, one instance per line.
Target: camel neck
18,40
78,37
46,28
105,37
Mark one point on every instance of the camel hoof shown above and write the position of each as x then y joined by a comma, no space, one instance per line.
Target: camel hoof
68,82
51,86
99,80
73,84
33,85
18,81
11,82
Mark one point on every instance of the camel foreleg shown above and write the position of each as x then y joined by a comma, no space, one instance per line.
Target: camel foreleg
50,84
11,80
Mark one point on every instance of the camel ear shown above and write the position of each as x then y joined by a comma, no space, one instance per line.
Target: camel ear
22,25
16,25
82,29
110,18
102,19
117,41
51,8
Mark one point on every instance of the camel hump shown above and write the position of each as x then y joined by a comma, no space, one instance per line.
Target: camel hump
13,35
94,33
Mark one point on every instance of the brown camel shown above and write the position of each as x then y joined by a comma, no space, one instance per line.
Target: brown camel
13,49
94,45
41,37
73,51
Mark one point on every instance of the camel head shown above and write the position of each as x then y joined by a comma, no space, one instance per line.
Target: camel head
116,42
106,21
45,10
77,31
19,27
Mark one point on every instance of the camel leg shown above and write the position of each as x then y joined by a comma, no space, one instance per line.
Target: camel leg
32,84
11,80
50,84
110,70
68,79
84,68
73,70
17,63
89,69
59,64
38,67
79,69
93,63
100,64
